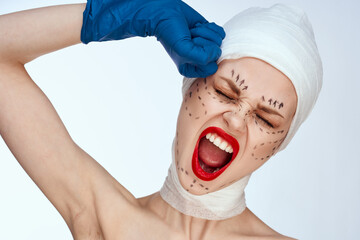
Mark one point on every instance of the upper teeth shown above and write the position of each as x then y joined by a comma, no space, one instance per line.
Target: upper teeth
219,142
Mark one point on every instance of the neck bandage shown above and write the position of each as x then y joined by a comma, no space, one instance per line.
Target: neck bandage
283,37
222,204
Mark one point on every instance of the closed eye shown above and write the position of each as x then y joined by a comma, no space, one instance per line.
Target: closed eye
223,94
264,121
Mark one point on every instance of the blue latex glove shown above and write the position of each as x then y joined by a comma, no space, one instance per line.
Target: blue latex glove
192,42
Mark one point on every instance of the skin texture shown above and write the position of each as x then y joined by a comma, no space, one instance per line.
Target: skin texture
95,205
212,102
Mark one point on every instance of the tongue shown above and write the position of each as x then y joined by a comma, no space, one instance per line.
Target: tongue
211,155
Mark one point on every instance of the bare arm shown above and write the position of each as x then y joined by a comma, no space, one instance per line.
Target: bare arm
29,34
73,181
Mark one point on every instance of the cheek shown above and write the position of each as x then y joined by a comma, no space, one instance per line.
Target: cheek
200,104
194,104
183,166
201,100
266,143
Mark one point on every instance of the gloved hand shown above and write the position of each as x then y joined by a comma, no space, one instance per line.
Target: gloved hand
192,42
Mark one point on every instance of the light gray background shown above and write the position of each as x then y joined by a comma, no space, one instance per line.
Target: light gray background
119,101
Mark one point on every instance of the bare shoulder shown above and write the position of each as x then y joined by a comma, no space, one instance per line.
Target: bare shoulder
257,229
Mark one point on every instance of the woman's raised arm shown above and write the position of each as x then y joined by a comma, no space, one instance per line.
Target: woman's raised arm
29,34
73,181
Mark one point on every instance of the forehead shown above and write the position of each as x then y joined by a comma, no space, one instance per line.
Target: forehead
262,78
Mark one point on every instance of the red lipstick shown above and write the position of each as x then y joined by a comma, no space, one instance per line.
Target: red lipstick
198,171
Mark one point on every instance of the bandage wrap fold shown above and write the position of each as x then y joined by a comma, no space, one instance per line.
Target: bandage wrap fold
283,37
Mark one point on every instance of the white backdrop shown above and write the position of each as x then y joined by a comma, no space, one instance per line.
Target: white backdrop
119,101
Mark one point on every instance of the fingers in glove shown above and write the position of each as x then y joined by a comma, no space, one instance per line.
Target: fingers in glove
195,71
216,28
209,31
206,51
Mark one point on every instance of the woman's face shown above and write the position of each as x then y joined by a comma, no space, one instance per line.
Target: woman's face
245,108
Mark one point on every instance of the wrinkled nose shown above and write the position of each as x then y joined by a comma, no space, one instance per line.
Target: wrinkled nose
236,119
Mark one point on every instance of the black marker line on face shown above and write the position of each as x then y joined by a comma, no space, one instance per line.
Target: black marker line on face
242,82
237,78
232,73
281,105
246,87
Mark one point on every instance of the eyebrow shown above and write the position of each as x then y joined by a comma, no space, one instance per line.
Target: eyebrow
237,91
232,85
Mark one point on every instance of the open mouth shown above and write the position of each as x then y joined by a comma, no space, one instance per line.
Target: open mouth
214,152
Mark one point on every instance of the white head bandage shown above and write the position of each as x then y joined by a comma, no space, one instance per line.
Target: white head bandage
283,37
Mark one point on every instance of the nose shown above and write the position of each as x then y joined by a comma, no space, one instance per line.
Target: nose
236,118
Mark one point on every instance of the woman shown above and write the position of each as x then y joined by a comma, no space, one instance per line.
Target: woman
266,83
